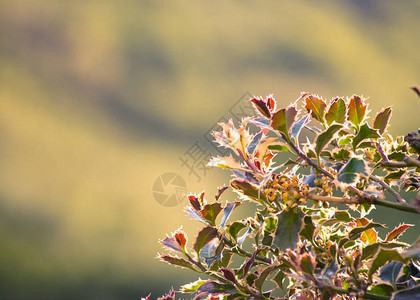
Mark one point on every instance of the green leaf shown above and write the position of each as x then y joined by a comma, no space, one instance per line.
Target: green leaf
317,107
381,289
324,138
283,119
308,228
351,171
381,120
370,250
280,147
336,112
234,229
407,294
340,154
307,264
192,286
396,232
397,155
357,110
382,257
173,260
270,224
344,140
262,276
365,132
210,212
278,280
289,224
204,237
247,189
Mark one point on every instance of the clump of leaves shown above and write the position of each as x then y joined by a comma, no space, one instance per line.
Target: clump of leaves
301,242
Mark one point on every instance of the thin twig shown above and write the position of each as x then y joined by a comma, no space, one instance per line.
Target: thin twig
387,187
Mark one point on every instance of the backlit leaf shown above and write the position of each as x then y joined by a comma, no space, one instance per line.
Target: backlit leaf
365,132
324,138
177,261
212,287
204,237
352,170
278,146
234,229
370,250
381,120
210,212
289,224
396,232
336,111
382,257
247,189
297,127
283,119
261,107
192,286
317,107
357,110
227,162
227,211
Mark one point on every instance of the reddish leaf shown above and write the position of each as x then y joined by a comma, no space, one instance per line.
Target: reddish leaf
177,242
317,107
195,203
169,296
307,264
147,298
173,260
261,107
228,274
357,110
381,120
396,232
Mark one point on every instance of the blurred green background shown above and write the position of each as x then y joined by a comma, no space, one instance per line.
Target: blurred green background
99,98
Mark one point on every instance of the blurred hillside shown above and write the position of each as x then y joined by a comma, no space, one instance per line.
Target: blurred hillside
99,98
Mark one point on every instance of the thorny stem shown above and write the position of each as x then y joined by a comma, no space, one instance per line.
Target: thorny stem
387,187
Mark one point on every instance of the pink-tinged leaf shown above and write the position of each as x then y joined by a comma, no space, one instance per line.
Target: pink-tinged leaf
381,120
204,237
369,236
210,212
316,106
228,274
307,264
396,232
169,296
262,152
147,298
357,110
271,103
336,111
283,119
176,242
174,260
227,162
261,107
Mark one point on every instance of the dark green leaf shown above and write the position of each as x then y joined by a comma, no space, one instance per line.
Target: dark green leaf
381,290
391,272
382,257
351,171
324,138
210,212
204,237
340,154
289,224
316,106
308,228
397,155
357,110
365,132
336,112
278,280
381,120
262,276
370,250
